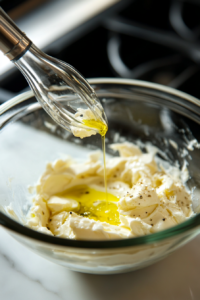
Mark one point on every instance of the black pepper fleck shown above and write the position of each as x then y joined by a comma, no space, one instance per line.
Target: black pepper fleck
81,115
149,195
42,212
70,212
141,197
48,228
151,224
163,219
150,219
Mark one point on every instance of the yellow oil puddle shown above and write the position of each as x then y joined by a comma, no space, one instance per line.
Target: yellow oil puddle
93,204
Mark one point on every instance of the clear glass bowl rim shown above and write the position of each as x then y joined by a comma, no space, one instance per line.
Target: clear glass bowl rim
188,225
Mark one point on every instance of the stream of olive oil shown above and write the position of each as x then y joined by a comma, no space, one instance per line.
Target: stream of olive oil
104,163
102,129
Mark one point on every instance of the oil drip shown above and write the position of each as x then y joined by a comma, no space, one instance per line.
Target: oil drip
102,129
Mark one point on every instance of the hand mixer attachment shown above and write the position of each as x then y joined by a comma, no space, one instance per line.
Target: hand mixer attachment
58,87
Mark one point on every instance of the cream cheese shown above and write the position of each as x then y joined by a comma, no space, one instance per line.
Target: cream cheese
148,199
81,132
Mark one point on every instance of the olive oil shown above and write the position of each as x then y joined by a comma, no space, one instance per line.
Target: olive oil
100,126
92,202
93,205
104,163
102,129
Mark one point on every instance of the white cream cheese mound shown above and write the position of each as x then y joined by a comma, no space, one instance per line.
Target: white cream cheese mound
81,114
143,199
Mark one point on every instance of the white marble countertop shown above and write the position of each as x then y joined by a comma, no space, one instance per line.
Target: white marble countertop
27,276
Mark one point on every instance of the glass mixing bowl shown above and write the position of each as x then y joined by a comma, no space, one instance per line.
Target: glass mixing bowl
137,111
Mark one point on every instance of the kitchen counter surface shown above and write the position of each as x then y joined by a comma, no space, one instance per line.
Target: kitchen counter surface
25,275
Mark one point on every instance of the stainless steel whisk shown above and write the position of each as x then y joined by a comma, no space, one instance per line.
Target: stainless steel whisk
58,87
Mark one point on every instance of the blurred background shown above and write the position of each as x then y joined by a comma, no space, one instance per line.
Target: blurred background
151,40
